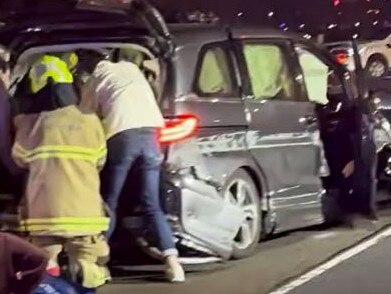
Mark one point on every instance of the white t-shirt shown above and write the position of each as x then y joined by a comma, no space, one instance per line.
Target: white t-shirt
122,97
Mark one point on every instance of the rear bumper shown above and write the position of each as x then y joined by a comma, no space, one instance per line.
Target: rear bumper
173,190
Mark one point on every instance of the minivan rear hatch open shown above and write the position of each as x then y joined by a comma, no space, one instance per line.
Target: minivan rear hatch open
23,22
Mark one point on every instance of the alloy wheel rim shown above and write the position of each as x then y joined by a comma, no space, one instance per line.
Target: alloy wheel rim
377,69
240,193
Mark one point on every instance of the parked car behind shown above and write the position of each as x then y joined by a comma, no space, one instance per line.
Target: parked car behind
241,144
374,49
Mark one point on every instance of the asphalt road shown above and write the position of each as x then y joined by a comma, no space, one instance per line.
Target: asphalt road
275,263
368,272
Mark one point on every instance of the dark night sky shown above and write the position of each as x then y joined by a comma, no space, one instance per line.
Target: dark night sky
309,11
314,13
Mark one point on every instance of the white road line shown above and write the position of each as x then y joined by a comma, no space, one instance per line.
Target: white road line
333,262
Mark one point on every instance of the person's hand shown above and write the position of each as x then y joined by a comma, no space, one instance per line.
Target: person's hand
348,169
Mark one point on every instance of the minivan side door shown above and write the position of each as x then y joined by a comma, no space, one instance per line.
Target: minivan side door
282,134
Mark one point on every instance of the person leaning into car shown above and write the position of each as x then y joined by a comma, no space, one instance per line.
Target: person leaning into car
125,102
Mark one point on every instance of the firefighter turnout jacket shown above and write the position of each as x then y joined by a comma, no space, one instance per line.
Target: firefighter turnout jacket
63,149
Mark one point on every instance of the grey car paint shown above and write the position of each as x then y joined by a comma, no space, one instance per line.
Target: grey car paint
237,132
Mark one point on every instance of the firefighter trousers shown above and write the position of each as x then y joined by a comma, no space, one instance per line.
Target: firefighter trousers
87,256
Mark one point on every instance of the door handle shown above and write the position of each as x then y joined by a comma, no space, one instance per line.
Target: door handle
307,120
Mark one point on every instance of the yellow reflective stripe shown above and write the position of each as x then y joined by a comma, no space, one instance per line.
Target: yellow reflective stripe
94,160
62,148
58,151
65,227
66,224
67,220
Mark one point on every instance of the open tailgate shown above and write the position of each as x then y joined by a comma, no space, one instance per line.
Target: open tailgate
20,17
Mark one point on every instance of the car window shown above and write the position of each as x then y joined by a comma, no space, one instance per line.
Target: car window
321,81
268,70
215,76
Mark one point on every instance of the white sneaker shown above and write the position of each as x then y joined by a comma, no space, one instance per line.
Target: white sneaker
174,270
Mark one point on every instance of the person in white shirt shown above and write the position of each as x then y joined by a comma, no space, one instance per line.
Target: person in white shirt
124,100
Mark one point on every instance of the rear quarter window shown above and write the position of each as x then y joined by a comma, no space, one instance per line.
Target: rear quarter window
215,76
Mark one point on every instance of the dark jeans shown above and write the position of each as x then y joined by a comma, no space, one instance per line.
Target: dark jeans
123,150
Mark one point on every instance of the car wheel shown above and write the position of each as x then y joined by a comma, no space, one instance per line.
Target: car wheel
377,66
240,190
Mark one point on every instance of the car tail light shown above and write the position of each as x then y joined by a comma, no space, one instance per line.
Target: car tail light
178,128
342,56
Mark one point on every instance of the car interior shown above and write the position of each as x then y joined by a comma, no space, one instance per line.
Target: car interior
147,62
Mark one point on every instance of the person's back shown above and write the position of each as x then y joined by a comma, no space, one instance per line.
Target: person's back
61,149
122,97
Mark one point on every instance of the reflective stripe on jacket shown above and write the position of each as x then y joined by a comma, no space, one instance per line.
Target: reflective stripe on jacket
63,151
48,67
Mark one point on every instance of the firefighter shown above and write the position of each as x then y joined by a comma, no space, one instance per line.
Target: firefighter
63,151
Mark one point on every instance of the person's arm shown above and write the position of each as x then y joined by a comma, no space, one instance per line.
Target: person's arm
28,263
89,99
6,131
18,152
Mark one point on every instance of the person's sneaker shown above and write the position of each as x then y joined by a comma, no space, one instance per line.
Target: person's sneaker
174,270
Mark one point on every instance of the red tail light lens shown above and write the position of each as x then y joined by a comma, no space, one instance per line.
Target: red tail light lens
179,128
342,56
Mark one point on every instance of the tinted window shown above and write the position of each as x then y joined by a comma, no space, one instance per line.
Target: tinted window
215,76
321,81
269,73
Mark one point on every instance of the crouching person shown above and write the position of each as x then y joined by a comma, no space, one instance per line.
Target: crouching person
63,151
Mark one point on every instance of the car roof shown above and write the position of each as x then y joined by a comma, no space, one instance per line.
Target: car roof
202,33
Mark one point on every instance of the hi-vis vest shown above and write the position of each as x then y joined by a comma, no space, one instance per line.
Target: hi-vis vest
47,67
63,151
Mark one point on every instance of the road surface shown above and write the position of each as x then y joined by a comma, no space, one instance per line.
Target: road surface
367,272
276,262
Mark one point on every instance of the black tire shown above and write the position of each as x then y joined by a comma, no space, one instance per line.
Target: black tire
239,250
377,60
